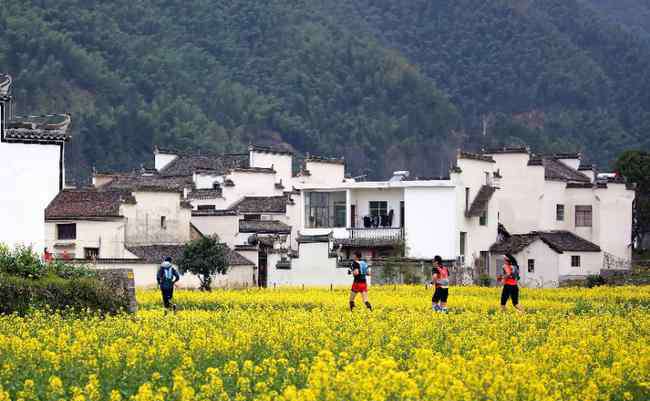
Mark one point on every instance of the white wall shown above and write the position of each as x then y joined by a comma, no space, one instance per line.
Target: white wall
522,187
226,227
145,276
325,173
29,177
206,181
281,163
108,236
312,268
478,238
161,160
430,222
252,184
590,263
362,197
615,217
143,219
546,266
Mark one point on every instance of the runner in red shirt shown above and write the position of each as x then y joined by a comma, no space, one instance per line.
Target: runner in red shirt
509,280
440,278
359,284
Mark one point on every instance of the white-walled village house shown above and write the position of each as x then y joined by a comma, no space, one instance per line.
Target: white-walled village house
32,150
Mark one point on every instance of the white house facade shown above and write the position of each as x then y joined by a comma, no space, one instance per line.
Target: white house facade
32,150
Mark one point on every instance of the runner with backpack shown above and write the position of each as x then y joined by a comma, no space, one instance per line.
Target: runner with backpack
440,279
359,283
509,279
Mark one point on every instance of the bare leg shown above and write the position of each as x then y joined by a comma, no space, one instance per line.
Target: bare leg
519,308
353,295
364,295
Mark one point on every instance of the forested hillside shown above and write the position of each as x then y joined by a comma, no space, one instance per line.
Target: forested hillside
387,84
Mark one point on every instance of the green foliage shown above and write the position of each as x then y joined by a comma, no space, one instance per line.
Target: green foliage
204,257
22,295
24,262
594,280
388,85
634,165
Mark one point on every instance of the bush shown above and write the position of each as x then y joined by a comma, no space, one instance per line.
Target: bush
24,262
594,280
20,295
484,280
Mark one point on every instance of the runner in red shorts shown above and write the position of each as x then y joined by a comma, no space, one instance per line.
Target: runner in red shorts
359,284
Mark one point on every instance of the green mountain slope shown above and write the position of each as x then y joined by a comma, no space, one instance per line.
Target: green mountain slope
387,84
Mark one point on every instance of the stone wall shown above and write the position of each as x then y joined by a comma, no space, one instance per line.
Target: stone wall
123,283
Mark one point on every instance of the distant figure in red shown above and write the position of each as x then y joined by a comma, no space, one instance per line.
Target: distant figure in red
509,280
47,256
440,279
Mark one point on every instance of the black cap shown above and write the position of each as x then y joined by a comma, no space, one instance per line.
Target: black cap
168,259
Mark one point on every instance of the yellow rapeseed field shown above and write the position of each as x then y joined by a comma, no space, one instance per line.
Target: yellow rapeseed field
573,344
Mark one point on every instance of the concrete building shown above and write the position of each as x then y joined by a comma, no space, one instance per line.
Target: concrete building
556,196
32,150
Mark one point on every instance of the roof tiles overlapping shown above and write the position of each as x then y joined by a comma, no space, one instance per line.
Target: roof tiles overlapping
559,241
87,203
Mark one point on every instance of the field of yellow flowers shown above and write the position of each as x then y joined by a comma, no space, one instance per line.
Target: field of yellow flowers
294,344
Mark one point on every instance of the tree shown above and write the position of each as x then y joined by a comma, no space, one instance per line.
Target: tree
204,257
634,165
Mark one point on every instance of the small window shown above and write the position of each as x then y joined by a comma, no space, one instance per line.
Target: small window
378,208
583,216
163,222
559,212
463,239
483,219
466,199
66,231
531,265
575,261
91,253
206,207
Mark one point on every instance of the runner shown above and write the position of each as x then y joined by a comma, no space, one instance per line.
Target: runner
167,276
440,278
509,280
359,284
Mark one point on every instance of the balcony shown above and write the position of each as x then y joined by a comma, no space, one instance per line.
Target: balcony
373,237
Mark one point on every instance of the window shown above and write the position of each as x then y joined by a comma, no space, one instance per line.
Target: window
325,209
378,208
339,214
91,253
66,231
483,219
559,212
485,261
163,222
583,216
206,207
252,217
531,265
466,199
463,238
575,261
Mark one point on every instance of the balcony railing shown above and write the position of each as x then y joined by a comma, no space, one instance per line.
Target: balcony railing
388,236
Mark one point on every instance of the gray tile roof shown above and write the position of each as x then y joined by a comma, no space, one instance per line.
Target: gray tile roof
264,227
475,156
186,165
87,203
262,204
205,194
51,128
135,181
555,170
156,254
559,241
481,201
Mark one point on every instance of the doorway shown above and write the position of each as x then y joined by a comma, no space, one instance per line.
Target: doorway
262,267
